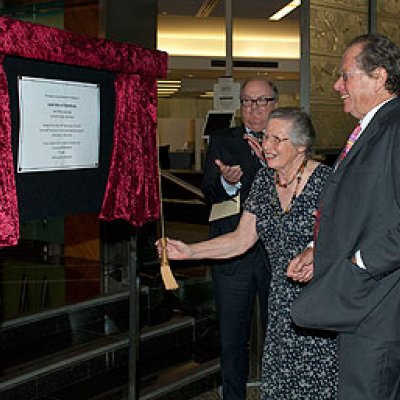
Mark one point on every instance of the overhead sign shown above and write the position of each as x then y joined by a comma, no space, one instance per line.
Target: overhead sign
226,94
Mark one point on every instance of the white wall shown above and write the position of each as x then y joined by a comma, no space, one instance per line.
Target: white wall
177,132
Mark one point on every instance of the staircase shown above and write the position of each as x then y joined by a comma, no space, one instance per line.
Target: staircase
81,352
62,340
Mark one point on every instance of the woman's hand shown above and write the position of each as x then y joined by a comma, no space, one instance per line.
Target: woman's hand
301,268
176,249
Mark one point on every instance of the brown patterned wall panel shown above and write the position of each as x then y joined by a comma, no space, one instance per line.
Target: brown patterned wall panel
333,24
345,4
389,7
331,29
332,125
324,71
388,14
390,28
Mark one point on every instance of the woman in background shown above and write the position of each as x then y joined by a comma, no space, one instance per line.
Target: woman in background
280,210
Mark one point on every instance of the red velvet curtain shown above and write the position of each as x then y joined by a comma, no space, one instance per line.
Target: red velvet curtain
9,219
132,192
132,189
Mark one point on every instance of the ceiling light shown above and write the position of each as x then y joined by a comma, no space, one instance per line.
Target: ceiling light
167,88
206,8
207,94
168,82
172,87
285,10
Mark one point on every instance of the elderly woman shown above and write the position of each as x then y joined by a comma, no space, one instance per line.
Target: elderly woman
280,210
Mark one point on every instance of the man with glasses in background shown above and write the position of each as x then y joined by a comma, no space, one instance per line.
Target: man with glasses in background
233,158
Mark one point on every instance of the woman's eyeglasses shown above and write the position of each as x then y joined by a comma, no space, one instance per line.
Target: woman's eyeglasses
275,140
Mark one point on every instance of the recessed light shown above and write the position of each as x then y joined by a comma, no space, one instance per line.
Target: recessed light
285,10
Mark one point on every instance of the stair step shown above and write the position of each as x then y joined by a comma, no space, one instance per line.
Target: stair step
160,346
84,349
60,332
183,382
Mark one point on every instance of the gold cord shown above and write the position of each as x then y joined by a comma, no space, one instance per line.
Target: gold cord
166,273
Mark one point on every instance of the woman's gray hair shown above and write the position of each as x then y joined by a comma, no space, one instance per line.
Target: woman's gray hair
302,131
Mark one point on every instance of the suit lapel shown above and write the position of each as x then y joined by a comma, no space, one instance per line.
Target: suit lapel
370,131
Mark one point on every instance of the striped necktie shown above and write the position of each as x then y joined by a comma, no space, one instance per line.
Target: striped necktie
350,142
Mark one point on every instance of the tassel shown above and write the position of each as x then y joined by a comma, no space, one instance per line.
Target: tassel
166,273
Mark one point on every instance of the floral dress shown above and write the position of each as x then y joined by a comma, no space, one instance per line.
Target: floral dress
297,363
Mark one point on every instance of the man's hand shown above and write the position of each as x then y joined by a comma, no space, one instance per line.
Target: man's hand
255,146
301,268
231,173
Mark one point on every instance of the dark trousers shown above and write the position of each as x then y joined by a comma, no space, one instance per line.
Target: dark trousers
235,297
369,369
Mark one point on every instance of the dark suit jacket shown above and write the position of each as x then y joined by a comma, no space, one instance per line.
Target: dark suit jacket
360,210
229,146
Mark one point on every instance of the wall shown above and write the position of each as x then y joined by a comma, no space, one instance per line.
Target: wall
180,119
388,12
327,42
178,133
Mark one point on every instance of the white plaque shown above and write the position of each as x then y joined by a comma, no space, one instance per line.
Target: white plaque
59,125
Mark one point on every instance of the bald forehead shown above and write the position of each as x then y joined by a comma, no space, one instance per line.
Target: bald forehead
258,86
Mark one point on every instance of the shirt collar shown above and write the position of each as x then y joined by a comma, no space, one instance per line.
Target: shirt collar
370,114
248,130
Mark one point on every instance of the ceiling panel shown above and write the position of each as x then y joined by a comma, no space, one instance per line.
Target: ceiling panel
244,9
240,8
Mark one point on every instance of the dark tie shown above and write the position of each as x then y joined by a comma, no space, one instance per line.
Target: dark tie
257,135
255,150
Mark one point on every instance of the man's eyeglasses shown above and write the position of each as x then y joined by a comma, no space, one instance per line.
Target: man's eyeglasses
275,140
260,102
345,75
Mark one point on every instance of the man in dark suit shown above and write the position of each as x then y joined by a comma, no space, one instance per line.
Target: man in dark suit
355,290
233,158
